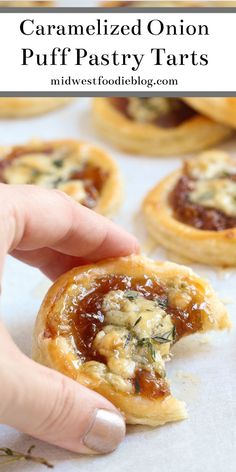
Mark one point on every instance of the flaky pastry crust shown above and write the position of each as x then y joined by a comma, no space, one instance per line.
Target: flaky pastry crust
17,107
83,153
220,109
202,246
59,352
194,134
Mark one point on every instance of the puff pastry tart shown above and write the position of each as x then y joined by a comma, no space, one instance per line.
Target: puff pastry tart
110,326
79,169
193,211
219,109
155,126
15,107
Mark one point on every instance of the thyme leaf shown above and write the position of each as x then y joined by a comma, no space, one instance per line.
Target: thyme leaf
13,456
127,340
137,321
162,302
131,294
58,163
167,337
137,386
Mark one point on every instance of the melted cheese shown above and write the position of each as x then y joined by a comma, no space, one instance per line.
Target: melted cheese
50,171
73,188
132,337
217,193
210,165
146,110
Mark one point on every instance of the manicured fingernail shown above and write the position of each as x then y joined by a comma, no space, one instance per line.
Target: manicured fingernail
106,431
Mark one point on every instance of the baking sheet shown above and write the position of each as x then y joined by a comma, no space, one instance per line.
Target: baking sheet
202,371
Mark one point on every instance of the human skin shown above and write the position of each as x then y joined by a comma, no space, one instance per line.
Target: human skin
48,230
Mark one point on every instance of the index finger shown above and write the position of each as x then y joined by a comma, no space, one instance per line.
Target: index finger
50,219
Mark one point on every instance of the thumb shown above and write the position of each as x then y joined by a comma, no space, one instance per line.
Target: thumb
51,407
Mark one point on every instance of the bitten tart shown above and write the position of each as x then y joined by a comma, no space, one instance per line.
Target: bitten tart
220,109
192,212
17,107
110,326
156,126
85,172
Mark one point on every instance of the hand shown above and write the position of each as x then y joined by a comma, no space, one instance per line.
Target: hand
48,230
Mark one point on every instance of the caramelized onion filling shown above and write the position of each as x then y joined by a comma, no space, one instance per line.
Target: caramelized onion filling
198,212
162,112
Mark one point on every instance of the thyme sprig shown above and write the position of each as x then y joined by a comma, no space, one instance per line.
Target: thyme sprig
11,456
165,338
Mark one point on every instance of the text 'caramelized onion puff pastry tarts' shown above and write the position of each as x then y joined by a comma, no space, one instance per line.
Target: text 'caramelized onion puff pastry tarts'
155,126
85,172
22,107
110,326
221,109
193,211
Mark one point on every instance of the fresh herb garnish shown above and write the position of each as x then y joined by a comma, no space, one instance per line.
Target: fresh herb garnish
167,337
205,196
137,321
127,340
137,386
131,334
147,342
11,456
131,294
58,181
162,302
58,163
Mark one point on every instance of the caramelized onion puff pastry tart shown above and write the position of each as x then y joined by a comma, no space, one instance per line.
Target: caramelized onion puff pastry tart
111,326
17,107
193,211
155,126
86,173
219,109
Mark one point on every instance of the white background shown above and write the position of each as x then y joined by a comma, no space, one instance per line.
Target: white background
202,370
219,75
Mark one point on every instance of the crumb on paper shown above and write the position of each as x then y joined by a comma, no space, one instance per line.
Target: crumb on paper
187,377
228,301
205,339
225,273
40,289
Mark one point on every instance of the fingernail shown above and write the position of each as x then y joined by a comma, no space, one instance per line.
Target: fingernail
106,431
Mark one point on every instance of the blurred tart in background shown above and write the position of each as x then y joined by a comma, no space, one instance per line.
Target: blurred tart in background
155,126
192,212
81,170
17,107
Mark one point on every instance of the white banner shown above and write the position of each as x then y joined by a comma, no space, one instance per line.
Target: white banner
117,52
